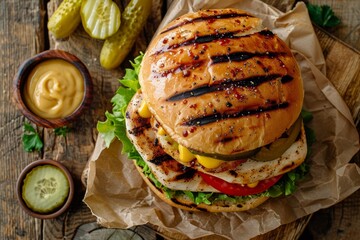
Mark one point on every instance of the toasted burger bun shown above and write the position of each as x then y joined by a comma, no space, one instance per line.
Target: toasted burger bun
184,203
219,83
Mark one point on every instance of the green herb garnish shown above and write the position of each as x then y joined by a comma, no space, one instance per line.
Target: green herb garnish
323,15
31,139
61,131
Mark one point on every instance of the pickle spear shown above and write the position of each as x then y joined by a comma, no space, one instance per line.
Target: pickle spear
278,147
117,47
65,19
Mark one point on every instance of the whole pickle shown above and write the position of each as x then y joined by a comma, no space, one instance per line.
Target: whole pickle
117,47
65,19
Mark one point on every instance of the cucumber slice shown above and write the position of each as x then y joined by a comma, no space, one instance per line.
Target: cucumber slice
100,18
277,148
232,157
45,189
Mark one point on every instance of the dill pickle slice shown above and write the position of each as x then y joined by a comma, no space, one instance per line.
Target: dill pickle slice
232,157
100,18
118,46
278,147
45,189
65,19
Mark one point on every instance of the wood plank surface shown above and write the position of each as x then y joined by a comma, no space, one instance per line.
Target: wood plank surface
23,34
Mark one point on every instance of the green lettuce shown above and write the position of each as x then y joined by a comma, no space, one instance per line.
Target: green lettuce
114,127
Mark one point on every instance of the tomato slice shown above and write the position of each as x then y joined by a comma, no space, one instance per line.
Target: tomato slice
238,189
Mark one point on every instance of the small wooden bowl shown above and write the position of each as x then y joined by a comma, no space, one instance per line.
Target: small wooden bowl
20,183
22,76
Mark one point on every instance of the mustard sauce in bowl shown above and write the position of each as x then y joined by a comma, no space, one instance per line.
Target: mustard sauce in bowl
53,88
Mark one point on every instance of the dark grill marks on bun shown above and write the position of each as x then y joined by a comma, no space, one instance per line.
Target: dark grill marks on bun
242,56
224,72
220,117
219,95
214,37
227,84
208,19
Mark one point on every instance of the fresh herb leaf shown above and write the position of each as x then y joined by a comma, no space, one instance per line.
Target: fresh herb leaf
31,139
306,116
61,131
323,15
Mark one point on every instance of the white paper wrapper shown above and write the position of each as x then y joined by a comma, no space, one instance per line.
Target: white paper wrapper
119,198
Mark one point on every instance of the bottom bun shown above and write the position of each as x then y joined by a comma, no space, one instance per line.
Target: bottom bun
183,202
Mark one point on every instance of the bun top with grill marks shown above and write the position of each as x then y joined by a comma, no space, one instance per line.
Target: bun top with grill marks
220,83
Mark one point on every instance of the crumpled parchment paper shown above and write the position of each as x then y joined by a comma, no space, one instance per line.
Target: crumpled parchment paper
119,198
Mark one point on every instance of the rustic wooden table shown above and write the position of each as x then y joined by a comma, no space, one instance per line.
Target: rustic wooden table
23,34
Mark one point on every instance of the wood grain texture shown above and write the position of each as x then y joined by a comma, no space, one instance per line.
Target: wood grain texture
343,70
21,36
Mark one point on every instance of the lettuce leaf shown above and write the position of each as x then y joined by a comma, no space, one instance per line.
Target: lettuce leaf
114,127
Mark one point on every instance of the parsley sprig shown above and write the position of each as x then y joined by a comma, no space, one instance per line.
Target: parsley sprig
323,15
31,139
61,131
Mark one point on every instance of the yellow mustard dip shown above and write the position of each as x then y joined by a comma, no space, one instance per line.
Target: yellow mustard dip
54,89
